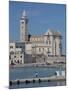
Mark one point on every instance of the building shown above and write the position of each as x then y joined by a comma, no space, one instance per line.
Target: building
23,27
47,44
29,47
16,52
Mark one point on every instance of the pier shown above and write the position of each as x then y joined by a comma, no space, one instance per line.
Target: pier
37,79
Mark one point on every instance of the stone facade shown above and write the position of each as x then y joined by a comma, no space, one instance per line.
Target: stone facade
47,44
23,27
16,52
29,47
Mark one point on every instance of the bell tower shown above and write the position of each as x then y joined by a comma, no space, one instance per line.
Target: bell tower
23,27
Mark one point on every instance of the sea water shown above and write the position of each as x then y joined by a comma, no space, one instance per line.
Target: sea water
29,72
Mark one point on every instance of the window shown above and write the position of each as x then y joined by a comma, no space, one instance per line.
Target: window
46,42
55,48
43,49
20,56
11,46
49,42
20,61
44,59
14,56
15,61
20,46
16,46
48,50
39,49
11,52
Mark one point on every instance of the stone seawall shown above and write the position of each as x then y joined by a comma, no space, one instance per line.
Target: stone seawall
51,59
38,65
46,62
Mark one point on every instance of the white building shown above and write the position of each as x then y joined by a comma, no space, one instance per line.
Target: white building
47,44
23,27
16,52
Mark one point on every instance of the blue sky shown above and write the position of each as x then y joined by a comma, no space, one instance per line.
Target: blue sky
41,18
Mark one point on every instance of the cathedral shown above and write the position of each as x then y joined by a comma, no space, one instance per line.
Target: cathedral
48,44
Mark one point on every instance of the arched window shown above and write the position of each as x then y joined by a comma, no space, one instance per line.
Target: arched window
39,49
11,52
18,61
21,56
46,42
48,50
49,42
14,56
11,46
